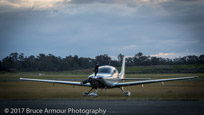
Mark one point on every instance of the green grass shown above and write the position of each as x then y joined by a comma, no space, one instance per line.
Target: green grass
199,68
174,90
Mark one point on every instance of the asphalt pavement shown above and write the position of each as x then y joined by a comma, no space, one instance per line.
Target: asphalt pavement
100,107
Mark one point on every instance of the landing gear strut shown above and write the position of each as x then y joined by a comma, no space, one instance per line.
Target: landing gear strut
90,94
127,93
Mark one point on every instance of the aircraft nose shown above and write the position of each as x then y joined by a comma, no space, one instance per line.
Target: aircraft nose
100,78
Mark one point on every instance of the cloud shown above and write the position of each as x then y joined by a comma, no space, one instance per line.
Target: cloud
40,4
93,27
175,55
129,47
164,54
69,6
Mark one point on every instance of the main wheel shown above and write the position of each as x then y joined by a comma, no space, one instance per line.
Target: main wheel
127,93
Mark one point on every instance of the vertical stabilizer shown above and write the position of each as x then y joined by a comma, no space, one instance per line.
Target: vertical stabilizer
122,72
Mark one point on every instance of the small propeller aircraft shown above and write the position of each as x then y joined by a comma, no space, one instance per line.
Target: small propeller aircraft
108,77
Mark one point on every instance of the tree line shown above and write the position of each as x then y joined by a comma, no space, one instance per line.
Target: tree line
43,62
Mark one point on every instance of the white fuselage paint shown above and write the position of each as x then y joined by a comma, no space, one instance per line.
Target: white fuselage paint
107,79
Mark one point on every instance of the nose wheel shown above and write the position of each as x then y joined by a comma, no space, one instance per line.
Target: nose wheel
90,94
127,93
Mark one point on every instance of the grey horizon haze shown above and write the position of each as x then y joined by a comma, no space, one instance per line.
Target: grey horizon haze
87,28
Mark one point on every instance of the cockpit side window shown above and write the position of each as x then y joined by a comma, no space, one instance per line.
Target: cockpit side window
114,71
104,70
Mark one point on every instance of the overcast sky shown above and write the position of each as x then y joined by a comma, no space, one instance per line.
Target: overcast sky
87,28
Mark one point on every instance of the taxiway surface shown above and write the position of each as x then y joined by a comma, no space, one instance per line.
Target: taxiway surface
136,107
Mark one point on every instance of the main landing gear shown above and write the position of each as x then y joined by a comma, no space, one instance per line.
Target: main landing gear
90,94
127,93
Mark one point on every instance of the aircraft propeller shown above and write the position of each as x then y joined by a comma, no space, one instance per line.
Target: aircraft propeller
95,73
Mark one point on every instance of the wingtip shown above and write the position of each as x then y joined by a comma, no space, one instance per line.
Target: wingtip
194,77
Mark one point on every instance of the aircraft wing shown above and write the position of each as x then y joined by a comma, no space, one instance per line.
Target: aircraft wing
135,79
57,81
150,81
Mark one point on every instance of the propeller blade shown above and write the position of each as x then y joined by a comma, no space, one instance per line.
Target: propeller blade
96,69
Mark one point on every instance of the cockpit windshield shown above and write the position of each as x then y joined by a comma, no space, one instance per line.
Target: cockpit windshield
105,70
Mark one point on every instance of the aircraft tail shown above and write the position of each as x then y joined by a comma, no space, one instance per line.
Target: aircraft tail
122,72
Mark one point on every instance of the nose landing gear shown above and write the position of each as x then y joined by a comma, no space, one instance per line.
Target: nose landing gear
90,94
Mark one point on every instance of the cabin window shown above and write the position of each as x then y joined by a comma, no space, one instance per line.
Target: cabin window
104,70
114,71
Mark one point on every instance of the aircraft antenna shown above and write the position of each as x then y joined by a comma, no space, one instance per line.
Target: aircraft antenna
109,62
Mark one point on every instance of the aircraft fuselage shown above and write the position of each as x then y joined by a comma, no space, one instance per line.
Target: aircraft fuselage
105,78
